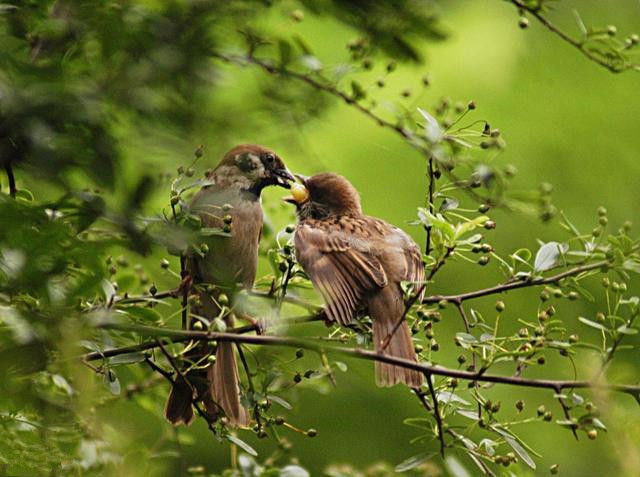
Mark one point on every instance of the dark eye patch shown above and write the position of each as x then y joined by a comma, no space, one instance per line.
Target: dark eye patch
245,163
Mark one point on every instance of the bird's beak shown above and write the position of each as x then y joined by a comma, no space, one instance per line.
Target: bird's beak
299,194
283,177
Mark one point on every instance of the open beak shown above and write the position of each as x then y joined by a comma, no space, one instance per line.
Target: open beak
283,178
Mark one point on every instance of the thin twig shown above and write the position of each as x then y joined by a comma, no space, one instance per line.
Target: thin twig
245,365
436,412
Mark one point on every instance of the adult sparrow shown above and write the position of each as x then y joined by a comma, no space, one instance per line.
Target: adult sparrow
231,197
358,262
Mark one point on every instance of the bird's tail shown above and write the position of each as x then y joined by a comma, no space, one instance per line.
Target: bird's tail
225,387
386,308
177,409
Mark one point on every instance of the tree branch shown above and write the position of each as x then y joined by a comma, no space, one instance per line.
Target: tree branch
536,12
181,335
504,287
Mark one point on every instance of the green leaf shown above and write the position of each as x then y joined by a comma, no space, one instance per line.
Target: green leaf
515,445
284,49
279,400
592,324
548,255
293,471
242,444
414,461
449,204
448,397
626,330
455,468
112,382
62,383
127,358
139,313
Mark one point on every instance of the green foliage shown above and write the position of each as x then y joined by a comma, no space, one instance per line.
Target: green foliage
93,238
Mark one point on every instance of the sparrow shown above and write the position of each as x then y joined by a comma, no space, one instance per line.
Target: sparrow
358,262
231,197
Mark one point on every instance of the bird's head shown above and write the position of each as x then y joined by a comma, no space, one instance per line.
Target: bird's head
252,168
324,195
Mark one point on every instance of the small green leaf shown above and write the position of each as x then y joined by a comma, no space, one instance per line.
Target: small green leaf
626,330
280,401
112,382
414,461
242,444
139,313
592,324
127,358
548,255
449,204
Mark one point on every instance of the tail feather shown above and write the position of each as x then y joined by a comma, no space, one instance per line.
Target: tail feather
225,387
386,308
178,408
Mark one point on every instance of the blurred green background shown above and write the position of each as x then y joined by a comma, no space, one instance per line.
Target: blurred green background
566,121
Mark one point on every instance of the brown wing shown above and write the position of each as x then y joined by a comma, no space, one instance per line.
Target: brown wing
340,266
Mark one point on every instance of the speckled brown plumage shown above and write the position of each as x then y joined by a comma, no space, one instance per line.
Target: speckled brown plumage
357,261
230,265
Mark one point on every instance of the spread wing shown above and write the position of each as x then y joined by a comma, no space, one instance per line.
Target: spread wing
340,266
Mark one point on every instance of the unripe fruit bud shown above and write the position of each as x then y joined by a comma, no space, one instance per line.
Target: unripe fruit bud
113,270
227,219
434,345
290,229
573,296
211,359
612,30
547,416
500,306
596,232
554,469
312,433
175,199
418,348
605,282
483,260
223,299
592,434
542,316
297,378
541,410
520,405
551,311
557,293
391,66
279,420
299,353
452,383
484,208
603,221
602,211
442,304
541,360
489,225
204,248
297,15
181,170
406,93
523,22
308,373
523,332
227,229
462,359
153,290
573,338
471,106
600,317
227,207
380,83
544,296
486,248
190,172
197,325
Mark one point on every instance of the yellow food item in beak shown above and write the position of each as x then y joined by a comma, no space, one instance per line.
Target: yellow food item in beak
299,193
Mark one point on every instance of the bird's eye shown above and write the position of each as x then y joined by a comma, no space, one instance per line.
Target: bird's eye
269,158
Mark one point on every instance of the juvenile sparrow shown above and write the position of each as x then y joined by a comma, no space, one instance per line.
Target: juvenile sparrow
356,262
233,199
